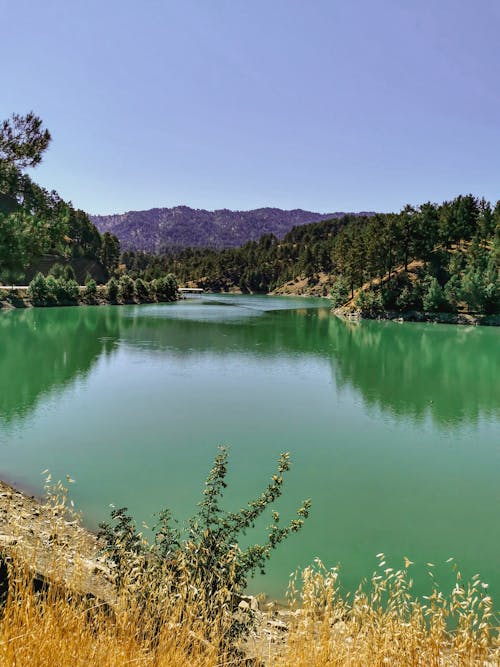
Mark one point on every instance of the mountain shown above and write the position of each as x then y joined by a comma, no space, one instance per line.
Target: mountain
182,226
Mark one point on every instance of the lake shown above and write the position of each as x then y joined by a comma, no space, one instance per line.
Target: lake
393,429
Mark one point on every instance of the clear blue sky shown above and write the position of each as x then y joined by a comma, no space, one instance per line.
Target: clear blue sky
320,104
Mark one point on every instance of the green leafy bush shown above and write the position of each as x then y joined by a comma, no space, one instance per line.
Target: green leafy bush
90,289
57,270
481,289
340,292
126,289
434,298
453,291
67,291
409,299
208,549
369,303
142,290
38,290
69,273
166,288
111,290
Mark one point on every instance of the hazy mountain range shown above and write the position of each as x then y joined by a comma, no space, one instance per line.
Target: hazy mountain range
182,226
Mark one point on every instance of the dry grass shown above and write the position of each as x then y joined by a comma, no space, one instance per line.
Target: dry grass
383,623
156,621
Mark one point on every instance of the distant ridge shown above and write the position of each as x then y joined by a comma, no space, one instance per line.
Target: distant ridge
182,226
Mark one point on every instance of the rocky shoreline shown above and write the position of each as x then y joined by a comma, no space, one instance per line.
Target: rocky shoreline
43,534
469,319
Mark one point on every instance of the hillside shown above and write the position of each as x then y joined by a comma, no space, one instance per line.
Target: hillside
181,226
429,258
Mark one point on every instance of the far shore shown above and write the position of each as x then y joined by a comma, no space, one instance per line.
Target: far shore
22,301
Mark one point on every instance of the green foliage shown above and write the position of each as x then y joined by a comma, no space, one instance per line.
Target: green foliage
38,290
90,289
209,546
85,240
69,273
53,291
409,298
453,291
126,289
62,271
56,270
481,289
68,291
112,290
353,249
34,221
340,292
434,298
370,303
23,140
166,288
142,290
23,237
110,252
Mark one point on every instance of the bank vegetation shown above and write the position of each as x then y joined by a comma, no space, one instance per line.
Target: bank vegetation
72,598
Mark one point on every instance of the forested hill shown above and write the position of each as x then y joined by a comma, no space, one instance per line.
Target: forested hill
181,226
433,257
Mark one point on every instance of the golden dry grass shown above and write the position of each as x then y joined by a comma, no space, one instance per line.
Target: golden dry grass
156,621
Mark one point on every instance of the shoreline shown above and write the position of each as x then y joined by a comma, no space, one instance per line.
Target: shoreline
21,303
60,552
43,534
459,319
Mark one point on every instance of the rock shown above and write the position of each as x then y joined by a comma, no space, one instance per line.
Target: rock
248,602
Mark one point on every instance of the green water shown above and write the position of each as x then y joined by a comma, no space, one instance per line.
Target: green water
394,429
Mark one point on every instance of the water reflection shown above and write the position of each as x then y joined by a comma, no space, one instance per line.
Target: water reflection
46,350
411,371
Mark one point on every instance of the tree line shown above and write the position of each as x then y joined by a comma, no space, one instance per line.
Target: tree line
442,257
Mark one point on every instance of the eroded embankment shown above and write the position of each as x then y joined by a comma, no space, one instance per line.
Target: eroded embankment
51,542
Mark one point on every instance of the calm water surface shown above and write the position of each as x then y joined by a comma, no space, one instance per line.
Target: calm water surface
394,429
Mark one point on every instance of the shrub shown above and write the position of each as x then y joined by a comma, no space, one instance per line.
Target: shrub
340,292
453,291
142,290
389,293
65,292
89,281
409,299
369,303
209,552
90,289
166,288
38,290
126,288
434,299
111,290
52,289
481,290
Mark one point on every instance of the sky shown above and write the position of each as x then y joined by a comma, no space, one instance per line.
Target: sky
325,105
